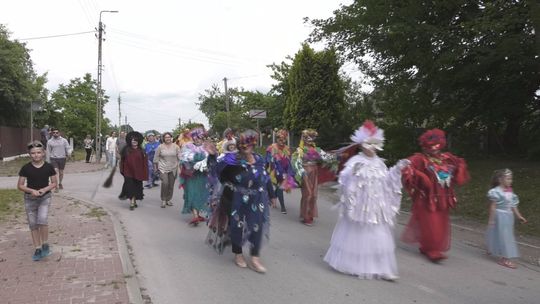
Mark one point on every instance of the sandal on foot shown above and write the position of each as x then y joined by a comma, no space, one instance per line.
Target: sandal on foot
507,263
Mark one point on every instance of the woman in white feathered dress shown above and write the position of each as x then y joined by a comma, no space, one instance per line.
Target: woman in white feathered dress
363,242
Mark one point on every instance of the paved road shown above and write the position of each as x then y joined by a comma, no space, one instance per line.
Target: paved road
175,266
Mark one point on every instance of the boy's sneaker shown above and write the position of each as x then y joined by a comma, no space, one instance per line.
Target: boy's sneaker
37,255
45,252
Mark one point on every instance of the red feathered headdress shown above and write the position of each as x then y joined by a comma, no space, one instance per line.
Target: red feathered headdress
433,139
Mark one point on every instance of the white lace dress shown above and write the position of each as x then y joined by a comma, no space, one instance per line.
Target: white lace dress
363,242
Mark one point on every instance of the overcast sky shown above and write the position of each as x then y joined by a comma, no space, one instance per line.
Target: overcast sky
163,53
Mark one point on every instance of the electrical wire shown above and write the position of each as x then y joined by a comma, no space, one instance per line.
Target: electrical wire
55,36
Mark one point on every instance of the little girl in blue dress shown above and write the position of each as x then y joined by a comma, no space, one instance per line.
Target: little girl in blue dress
503,206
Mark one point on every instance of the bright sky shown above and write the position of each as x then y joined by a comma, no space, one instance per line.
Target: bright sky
162,54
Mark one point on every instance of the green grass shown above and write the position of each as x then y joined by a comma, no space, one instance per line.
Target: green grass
78,154
472,201
11,204
12,167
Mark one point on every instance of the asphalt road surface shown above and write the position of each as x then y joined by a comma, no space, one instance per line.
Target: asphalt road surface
175,266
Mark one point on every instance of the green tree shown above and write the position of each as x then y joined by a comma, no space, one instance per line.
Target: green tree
466,66
212,104
316,96
19,84
76,105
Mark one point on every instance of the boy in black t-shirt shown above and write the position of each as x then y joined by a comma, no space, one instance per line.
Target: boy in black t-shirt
34,182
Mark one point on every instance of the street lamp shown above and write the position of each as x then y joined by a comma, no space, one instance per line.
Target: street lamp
99,106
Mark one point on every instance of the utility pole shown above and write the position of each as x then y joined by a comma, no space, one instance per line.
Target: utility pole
119,113
227,103
99,105
119,116
125,124
32,121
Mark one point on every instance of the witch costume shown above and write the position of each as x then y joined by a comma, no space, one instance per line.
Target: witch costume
134,168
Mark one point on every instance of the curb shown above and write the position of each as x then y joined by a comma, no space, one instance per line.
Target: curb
130,274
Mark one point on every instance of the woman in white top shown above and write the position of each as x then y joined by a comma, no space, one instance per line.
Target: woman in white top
166,162
110,147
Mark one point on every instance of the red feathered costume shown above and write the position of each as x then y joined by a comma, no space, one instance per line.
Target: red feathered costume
430,181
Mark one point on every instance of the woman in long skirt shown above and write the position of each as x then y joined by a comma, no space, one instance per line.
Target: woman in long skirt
195,176
134,168
363,242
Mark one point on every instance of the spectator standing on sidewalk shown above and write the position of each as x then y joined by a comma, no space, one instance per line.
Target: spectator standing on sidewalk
34,180
166,160
150,149
88,144
57,153
110,147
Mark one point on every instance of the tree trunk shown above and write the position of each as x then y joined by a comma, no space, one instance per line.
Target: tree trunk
511,135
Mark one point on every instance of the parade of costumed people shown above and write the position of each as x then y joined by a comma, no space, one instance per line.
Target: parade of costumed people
134,168
183,138
194,176
430,181
247,192
278,160
362,243
503,206
218,223
150,148
228,135
306,161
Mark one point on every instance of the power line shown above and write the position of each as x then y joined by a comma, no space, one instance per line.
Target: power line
55,36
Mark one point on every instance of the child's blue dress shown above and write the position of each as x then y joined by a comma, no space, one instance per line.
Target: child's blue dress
500,237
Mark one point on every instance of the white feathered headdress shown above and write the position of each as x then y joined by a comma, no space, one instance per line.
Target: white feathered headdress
369,136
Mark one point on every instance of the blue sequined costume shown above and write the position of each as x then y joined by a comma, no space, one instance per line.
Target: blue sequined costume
246,199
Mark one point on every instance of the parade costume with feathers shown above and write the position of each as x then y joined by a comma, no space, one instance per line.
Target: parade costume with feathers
278,162
245,200
430,181
362,243
194,174
218,235
306,161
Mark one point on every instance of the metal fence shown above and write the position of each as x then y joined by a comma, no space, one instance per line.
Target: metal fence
13,141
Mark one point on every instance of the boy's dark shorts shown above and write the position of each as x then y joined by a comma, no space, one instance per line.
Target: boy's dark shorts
58,163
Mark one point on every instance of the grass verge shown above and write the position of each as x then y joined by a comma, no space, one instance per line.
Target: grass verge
11,204
472,201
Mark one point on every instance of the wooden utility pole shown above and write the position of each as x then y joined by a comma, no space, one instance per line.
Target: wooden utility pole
227,103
